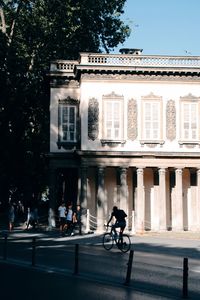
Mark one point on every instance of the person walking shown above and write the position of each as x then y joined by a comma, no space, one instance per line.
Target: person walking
70,220
62,217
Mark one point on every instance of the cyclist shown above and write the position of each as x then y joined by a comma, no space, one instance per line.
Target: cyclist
120,222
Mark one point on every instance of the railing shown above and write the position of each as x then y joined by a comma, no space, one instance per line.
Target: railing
140,60
63,66
90,59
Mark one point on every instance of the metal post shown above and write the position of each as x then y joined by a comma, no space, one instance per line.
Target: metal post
185,278
33,251
129,264
5,246
76,261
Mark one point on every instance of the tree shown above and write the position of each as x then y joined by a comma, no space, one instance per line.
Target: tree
32,33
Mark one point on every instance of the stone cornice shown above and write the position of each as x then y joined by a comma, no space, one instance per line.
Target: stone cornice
140,77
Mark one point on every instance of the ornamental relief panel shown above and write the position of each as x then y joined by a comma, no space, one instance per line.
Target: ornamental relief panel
93,119
132,120
171,120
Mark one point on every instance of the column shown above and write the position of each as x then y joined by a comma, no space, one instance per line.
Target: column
198,199
140,202
177,203
123,190
162,200
83,197
101,201
52,198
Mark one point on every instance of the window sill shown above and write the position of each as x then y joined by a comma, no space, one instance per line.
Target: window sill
189,142
154,142
66,145
112,142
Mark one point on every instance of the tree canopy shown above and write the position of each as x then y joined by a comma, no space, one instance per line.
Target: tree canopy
32,33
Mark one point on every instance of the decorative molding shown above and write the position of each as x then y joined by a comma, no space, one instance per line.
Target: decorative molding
93,119
132,120
190,98
171,120
69,101
113,96
140,76
151,96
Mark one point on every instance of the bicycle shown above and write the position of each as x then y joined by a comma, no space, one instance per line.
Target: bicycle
122,242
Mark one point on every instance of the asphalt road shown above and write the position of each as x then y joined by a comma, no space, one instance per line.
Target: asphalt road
157,268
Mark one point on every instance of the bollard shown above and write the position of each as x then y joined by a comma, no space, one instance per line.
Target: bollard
129,264
76,262
185,278
5,246
33,251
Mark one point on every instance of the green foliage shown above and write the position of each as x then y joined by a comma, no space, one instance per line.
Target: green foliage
32,33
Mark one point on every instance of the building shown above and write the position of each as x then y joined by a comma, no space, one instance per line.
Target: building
125,131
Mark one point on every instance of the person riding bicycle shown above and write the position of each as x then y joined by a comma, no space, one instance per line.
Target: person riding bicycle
120,216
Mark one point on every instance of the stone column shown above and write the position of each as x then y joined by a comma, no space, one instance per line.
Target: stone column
177,203
101,201
52,198
162,200
198,199
83,197
123,190
140,202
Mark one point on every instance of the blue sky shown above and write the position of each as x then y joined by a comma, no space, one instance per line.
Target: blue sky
163,27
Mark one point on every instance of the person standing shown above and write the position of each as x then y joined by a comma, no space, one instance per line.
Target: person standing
11,216
62,217
77,218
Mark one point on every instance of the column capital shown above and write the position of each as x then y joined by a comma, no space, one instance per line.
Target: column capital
140,170
179,171
162,171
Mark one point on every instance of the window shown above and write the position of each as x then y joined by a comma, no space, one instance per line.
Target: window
113,117
152,120
67,122
112,124
189,121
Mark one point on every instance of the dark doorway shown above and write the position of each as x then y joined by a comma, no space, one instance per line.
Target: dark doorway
68,186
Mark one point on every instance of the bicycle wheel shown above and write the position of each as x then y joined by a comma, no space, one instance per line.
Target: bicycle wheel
124,244
107,241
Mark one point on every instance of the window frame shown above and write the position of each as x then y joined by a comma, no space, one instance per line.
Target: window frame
189,101
152,99
68,103
112,99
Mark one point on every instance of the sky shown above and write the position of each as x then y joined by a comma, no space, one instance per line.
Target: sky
163,27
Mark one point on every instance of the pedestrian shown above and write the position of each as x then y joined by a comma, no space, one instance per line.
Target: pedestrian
70,220
29,220
11,216
62,217
77,218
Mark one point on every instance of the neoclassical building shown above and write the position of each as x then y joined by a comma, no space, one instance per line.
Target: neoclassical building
125,131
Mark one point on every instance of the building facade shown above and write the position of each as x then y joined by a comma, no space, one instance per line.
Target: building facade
125,131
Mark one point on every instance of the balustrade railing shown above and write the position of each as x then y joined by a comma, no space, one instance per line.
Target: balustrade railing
125,60
140,60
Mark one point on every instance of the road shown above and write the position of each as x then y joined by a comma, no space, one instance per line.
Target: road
156,272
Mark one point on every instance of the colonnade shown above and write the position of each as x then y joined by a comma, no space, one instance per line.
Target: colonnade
175,206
